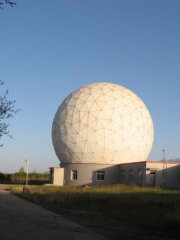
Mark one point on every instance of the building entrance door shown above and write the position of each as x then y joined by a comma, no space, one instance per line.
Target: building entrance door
152,179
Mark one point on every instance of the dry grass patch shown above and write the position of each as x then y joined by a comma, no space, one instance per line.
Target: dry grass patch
152,208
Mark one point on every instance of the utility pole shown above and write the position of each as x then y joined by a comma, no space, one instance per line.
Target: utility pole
164,170
27,163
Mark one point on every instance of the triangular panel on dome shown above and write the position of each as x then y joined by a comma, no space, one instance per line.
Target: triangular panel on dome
80,105
90,132
101,143
85,119
79,156
76,126
103,115
110,125
80,138
112,103
70,111
74,119
91,118
84,133
138,103
101,104
117,144
68,119
83,114
76,93
95,107
89,105
126,92
99,127
118,94
63,128
125,121
59,144
98,157
92,125
111,147
70,138
82,126
103,122
76,159
63,114
77,148
66,100
125,111
109,97
71,146
67,126
127,134
108,134
76,111
88,158
134,97
101,98
92,145
83,96
72,101
96,96
132,106
55,127
92,138
84,107
87,90
97,91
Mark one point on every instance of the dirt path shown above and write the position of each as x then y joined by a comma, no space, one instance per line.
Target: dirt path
23,220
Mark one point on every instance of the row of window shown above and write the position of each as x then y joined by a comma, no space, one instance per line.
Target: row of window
140,175
99,175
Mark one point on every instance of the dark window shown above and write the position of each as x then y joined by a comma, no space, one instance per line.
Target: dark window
140,175
131,175
74,174
100,175
122,175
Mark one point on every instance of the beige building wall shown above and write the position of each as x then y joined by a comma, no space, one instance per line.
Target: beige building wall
146,173
57,176
155,174
169,178
133,168
87,174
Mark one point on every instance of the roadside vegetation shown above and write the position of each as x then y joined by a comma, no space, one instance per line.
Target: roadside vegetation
151,208
20,178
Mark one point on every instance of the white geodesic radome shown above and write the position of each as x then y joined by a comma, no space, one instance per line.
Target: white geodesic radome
102,123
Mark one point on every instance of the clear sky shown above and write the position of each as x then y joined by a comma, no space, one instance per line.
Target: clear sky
48,49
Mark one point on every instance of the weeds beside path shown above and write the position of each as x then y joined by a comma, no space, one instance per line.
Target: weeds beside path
150,209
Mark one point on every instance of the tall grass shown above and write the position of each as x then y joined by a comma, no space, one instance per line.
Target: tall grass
151,208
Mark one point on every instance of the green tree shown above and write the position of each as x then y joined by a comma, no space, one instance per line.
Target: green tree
6,111
21,170
7,2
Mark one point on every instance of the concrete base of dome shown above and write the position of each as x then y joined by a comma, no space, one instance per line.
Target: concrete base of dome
78,174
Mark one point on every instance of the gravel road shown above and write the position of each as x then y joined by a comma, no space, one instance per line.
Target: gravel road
23,220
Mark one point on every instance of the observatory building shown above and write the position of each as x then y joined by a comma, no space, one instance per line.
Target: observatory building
98,131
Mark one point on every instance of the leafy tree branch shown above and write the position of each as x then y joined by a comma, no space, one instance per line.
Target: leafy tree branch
6,111
7,2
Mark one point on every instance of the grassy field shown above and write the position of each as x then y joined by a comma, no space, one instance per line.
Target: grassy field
151,208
